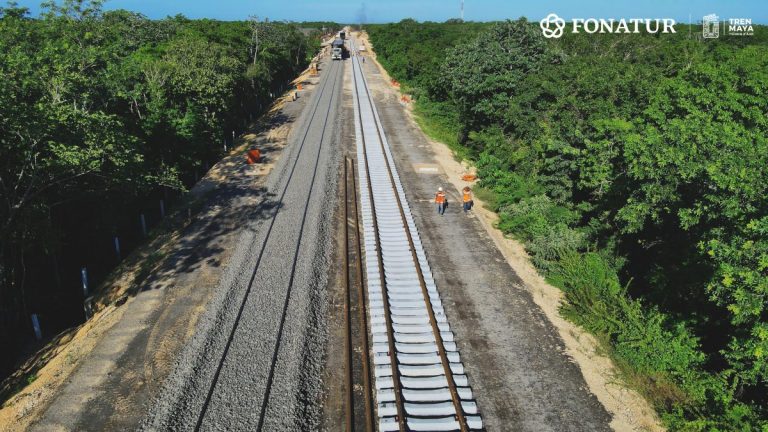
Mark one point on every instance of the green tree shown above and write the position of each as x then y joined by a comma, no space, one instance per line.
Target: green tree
483,73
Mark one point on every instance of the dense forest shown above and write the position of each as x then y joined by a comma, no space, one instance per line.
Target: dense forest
103,114
635,170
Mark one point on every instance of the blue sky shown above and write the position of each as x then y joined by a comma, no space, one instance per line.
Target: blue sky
439,10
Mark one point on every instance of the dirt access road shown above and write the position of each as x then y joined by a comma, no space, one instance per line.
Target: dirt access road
519,357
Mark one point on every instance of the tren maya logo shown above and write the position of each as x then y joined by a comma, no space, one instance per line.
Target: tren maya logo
552,26
732,27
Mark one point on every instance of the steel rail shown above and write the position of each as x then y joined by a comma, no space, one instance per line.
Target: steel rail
361,301
271,376
349,412
220,365
353,237
382,280
420,274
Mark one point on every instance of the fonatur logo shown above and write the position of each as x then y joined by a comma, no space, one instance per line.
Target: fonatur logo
552,26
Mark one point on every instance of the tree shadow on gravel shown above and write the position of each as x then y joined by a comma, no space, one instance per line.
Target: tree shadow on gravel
229,202
232,208
191,236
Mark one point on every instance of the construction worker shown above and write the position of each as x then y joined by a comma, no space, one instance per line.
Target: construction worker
466,197
440,200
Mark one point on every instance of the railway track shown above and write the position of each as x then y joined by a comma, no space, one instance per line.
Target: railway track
419,377
321,111
358,401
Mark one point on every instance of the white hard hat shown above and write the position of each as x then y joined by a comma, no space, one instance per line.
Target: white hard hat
439,189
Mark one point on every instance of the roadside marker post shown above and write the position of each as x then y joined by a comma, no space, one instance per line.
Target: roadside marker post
116,241
84,280
162,209
143,224
88,307
36,327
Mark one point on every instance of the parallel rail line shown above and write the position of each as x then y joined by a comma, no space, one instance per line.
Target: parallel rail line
420,380
353,237
337,70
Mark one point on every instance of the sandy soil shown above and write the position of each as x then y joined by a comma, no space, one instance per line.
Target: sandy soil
630,411
59,361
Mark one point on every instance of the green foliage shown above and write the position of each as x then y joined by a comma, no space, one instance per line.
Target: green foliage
482,73
532,217
413,52
439,119
740,283
619,158
101,109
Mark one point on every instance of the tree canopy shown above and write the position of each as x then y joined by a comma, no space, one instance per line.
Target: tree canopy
101,111
635,170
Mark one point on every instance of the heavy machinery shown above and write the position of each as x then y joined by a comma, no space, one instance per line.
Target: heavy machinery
337,49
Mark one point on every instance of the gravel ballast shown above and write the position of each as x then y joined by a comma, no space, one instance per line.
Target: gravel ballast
270,375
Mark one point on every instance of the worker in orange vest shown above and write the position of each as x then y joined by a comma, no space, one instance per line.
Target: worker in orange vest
440,200
466,196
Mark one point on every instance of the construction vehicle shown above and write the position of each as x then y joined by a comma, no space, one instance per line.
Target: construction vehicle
337,49
342,35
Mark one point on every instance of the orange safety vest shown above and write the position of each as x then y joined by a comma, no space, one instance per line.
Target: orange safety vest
467,196
440,197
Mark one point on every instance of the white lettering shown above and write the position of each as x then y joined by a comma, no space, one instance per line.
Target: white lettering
576,23
622,27
591,22
648,26
606,26
632,25
669,26
740,21
740,29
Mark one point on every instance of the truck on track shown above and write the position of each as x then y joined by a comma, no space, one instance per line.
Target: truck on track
337,49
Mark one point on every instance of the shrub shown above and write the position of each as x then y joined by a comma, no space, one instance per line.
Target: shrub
557,241
531,218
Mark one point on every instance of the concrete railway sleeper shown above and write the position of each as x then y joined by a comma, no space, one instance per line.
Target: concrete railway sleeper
419,378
